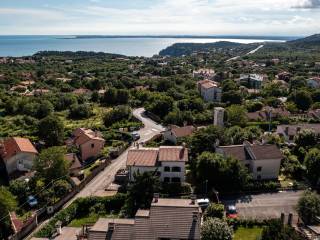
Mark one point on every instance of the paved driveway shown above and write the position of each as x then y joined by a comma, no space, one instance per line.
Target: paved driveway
265,206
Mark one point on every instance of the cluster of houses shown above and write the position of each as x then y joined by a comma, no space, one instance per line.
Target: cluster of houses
18,154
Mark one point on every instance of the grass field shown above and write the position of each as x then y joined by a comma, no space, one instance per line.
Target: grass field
91,219
248,233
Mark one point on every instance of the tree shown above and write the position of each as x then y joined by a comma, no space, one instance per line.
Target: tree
205,140
51,130
141,192
306,138
80,111
51,164
61,188
20,189
276,230
312,163
252,133
237,115
235,134
8,203
231,97
302,99
221,173
117,114
215,229
229,85
160,105
308,207
44,109
214,210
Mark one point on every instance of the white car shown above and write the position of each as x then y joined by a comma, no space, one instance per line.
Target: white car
203,202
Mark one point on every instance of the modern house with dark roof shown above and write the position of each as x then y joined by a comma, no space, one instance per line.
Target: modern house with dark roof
174,133
18,154
167,161
263,161
166,219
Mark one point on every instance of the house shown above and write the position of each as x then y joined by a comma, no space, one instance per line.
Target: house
166,219
175,132
90,143
252,81
81,91
74,163
204,73
209,90
267,114
314,82
18,154
167,161
263,161
289,131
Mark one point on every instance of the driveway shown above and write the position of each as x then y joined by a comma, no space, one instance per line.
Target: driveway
265,206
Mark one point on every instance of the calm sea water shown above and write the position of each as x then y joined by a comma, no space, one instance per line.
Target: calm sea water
17,46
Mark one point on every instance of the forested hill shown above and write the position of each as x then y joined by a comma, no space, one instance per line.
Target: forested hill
180,49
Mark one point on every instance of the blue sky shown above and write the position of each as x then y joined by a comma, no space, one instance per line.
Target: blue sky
234,17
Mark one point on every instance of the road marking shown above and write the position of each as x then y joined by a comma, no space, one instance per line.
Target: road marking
155,130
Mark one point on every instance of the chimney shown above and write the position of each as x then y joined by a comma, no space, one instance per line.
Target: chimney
155,197
111,226
193,199
58,227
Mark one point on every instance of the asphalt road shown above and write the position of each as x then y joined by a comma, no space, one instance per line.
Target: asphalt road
106,177
265,206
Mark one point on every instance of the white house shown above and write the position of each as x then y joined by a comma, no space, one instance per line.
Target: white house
166,161
314,82
18,154
263,161
175,132
209,90
252,81
204,73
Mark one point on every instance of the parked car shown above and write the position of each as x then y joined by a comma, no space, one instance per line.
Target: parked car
203,203
232,212
135,136
32,201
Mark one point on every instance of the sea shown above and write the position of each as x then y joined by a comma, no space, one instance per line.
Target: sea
18,46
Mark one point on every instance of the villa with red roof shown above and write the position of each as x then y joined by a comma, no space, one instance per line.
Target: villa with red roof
209,90
167,161
17,154
90,143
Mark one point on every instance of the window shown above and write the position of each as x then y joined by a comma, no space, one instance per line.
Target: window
166,179
176,169
175,180
167,169
92,145
259,169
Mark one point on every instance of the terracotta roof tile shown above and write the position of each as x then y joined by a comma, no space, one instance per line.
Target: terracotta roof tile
15,145
183,131
142,157
170,153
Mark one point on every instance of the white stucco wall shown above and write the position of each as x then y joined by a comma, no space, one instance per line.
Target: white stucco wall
21,162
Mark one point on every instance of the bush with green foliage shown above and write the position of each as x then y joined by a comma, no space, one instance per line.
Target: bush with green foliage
119,113
214,210
308,207
216,229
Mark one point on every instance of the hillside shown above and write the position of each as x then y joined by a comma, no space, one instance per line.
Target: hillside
180,49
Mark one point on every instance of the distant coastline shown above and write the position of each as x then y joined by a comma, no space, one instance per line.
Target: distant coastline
280,38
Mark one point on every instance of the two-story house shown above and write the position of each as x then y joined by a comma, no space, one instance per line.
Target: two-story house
252,81
18,154
288,132
90,143
209,90
167,161
263,161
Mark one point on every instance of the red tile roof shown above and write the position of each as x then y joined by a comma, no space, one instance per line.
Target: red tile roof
175,154
142,157
183,131
15,145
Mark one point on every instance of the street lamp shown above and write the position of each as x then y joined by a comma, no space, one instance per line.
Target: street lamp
217,194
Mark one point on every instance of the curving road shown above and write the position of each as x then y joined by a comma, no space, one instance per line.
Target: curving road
106,177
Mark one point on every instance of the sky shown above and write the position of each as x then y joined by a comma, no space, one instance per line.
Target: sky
160,17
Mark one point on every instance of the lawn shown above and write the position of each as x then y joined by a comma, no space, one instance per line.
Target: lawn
91,219
253,233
